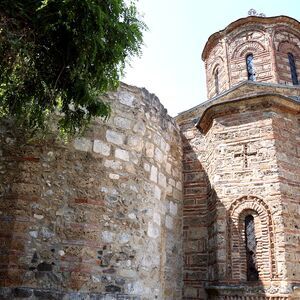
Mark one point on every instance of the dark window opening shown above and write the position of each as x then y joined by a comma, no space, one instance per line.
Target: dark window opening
293,69
250,67
252,270
217,81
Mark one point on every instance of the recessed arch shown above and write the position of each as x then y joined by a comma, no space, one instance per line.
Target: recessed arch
237,255
286,46
286,35
250,46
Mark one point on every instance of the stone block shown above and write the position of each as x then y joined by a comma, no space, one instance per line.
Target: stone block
126,98
168,168
114,176
101,148
115,137
116,165
149,149
158,155
171,181
169,222
153,174
162,180
135,143
139,127
153,230
122,154
122,122
83,144
157,193
146,167
156,218
173,208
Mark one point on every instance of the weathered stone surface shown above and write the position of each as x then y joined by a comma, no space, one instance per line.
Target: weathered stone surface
104,216
101,147
114,137
122,154
85,220
82,144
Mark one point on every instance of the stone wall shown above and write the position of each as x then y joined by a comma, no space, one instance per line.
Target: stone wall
99,217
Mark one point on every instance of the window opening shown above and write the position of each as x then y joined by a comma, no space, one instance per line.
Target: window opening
217,81
252,270
250,67
293,69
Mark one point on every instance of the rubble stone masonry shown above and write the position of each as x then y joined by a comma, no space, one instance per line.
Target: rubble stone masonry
142,207
99,217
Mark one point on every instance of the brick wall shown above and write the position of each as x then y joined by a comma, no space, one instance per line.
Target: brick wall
248,170
268,39
286,41
196,217
286,129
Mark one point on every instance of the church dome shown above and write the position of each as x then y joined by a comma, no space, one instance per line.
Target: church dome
262,49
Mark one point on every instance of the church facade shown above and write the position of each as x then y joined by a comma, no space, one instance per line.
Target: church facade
241,165
144,206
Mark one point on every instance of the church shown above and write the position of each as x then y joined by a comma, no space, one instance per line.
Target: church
204,206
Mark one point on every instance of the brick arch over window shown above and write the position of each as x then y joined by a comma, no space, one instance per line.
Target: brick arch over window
282,61
236,258
247,47
216,63
286,46
286,34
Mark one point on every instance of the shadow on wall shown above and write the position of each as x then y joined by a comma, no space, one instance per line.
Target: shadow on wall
227,252
19,194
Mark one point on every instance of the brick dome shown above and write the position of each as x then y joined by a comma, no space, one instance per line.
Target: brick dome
271,45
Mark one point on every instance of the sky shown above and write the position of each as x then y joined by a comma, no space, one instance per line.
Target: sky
171,66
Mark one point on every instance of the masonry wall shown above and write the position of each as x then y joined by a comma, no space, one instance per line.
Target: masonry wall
99,217
247,169
287,131
198,214
269,40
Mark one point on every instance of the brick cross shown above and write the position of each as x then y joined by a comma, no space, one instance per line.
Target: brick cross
244,154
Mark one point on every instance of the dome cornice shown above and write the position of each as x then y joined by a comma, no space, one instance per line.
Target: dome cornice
214,38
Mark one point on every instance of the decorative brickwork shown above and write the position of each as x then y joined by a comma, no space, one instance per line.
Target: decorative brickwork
250,205
142,207
269,40
250,163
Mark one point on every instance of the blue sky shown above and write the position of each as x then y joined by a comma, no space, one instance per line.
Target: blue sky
171,65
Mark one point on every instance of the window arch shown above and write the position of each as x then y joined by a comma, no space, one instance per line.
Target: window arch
216,77
250,67
293,68
253,212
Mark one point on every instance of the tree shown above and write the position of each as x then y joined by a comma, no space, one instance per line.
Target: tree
62,56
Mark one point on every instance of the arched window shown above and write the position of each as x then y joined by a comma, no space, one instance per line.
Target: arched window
250,240
250,67
293,68
217,81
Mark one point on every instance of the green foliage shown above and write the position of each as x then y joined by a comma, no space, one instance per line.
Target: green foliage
62,56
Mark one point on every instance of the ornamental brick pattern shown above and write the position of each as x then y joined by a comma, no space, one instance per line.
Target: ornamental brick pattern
146,207
268,39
